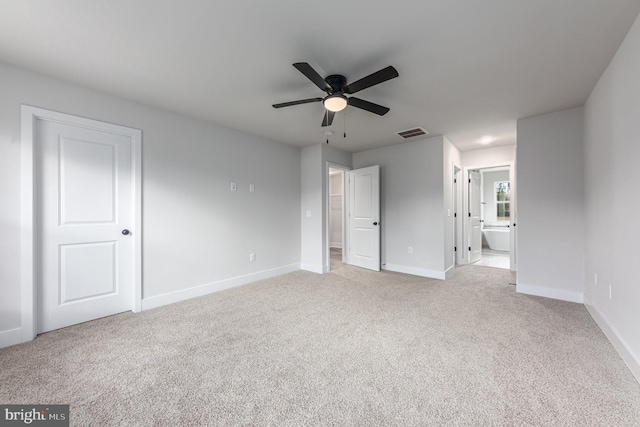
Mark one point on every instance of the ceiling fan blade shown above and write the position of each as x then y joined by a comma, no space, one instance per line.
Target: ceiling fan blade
312,75
327,119
368,106
302,101
372,80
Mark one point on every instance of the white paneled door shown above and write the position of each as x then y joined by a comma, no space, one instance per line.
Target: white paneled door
475,216
364,219
85,223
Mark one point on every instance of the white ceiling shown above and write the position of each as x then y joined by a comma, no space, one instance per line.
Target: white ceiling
467,68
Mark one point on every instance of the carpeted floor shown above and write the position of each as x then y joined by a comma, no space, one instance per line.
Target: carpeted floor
347,348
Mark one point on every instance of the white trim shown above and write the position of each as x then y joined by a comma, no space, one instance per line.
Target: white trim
10,337
327,213
626,353
464,253
136,166
27,256
559,294
314,268
433,274
448,273
457,208
198,291
513,218
29,117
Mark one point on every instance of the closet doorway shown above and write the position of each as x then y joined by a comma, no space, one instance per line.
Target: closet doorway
336,232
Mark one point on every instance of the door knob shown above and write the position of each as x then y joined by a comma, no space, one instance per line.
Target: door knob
375,223
125,232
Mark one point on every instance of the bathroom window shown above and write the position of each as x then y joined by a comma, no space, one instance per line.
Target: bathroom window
503,200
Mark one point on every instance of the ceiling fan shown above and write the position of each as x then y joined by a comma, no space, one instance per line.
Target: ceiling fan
336,87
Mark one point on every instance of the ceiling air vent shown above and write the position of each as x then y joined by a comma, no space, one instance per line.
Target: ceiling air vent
411,133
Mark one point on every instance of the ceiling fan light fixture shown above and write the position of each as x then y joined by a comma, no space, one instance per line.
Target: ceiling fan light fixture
335,103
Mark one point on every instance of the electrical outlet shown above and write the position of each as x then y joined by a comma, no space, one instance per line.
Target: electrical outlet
252,257
410,249
595,279
609,290
234,186
252,188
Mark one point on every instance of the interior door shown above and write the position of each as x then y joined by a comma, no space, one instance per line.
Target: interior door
455,204
364,218
86,264
475,206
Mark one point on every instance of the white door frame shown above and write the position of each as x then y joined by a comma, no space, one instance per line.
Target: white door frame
29,239
457,215
469,219
513,207
513,218
345,208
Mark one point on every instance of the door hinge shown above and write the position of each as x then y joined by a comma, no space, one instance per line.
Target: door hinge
469,180
455,180
469,214
455,249
455,215
469,249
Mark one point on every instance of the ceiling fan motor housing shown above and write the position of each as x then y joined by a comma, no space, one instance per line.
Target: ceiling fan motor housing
337,82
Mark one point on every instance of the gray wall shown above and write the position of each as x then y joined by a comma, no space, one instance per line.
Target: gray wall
195,230
411,204
611,172
488,157
551,205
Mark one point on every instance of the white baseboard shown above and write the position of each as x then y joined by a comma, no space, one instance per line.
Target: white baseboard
198,291
313,268
559,294
11,337
415,271
449,272
630,358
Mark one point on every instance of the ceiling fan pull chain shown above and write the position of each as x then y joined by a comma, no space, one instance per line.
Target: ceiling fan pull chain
327,121
345,123
326,112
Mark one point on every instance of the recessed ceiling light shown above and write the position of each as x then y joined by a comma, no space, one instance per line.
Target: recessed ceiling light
486,140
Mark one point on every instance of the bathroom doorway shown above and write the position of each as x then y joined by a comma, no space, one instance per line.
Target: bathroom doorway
490,217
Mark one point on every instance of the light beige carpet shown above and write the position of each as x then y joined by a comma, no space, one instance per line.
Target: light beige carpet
347,348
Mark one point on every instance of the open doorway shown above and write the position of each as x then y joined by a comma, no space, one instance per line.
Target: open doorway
352,226
336,218
490,214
